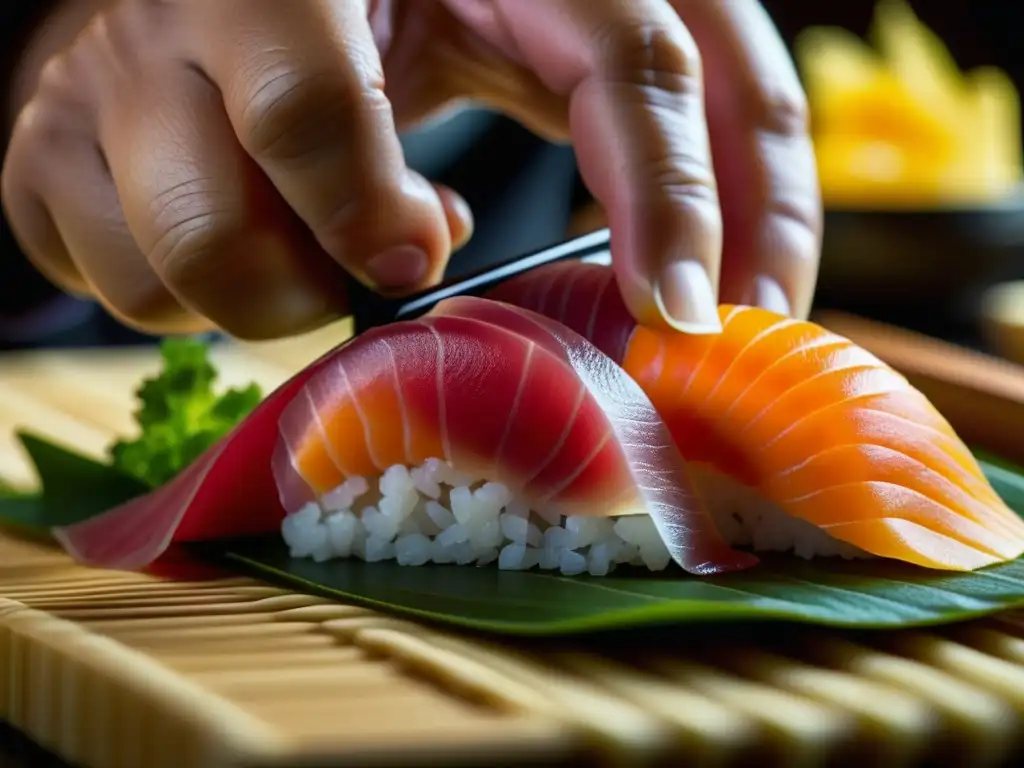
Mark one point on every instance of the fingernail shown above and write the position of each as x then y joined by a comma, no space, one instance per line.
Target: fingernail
768,294
464,231
685,298
398,267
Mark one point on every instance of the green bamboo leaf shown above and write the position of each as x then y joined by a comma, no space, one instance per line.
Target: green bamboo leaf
843,594
19,513
74,488
829,592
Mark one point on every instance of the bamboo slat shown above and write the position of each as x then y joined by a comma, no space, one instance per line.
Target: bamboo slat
120,670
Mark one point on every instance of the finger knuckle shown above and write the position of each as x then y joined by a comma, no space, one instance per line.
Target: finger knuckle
186,254
780,110
48,128
106,41
290,115
121,45
682,191
190,235
56,77
800,222
651,56
680,175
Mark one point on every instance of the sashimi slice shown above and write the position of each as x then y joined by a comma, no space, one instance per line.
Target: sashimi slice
502,394
817,426
228,491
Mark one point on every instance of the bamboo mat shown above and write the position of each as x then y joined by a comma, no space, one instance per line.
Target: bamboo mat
118,670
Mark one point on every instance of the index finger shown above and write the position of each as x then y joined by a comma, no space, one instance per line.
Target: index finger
303,87
632,73
764,160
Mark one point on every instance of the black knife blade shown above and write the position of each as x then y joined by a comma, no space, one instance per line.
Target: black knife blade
370,309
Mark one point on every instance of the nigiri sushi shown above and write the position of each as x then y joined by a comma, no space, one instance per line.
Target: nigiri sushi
797,439
480,432
485,433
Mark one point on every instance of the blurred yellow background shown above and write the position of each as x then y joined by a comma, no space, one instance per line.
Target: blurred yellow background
898,123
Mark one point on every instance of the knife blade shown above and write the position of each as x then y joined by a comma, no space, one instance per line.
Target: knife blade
370,309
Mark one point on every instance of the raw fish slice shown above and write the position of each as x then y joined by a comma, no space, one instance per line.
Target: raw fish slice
507,395
228,491
818,426
638,441
811,410
584,299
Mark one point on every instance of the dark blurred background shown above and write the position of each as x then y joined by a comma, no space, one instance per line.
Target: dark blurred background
985,32
923,269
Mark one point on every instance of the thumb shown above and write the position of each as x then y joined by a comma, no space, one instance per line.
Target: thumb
408,266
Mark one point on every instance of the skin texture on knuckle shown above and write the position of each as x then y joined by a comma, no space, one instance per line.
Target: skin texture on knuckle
289,115
682,194
203,265
61,108
800,208
56,79
235,272
190,238
778,109
46,128
119,47
653,58
654,73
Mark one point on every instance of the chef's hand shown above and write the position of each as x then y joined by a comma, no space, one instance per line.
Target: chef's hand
192,162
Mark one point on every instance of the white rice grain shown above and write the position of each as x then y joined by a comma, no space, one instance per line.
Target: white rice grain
412,550
432,513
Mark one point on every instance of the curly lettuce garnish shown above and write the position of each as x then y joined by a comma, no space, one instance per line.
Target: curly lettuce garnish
180,414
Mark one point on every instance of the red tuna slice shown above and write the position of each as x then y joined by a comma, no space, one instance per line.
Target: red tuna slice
503,393
583,297
228,491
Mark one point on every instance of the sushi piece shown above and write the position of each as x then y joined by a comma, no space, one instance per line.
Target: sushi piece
485,433
478,433
799,439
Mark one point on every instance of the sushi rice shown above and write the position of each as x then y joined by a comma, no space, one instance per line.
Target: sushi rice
434,514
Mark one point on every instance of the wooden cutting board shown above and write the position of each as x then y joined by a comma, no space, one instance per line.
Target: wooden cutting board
118,670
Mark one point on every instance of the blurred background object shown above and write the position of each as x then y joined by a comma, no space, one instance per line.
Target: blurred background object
1002,318
897,124
920,163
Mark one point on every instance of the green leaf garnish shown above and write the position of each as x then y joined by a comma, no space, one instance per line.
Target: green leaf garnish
826,591
180,414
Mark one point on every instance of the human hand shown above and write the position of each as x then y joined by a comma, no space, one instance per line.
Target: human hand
190,162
